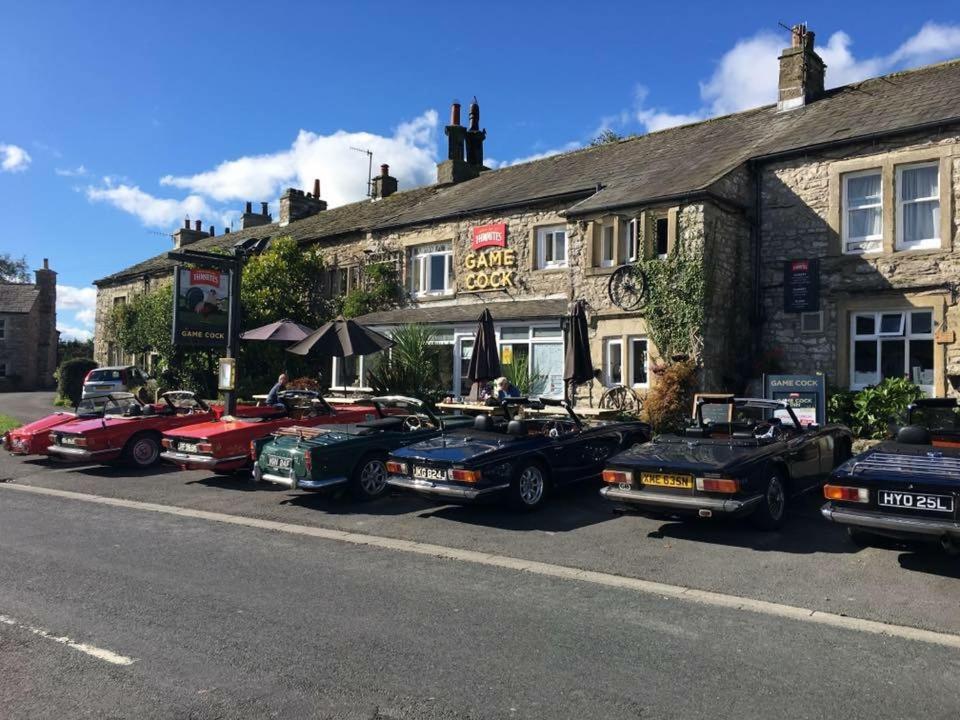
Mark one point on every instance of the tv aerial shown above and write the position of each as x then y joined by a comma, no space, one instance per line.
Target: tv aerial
369,154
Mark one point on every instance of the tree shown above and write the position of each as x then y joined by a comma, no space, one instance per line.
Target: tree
380,290
606,137
71,349
285,282
13,270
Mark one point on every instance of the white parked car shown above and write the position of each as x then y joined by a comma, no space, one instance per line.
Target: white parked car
105,380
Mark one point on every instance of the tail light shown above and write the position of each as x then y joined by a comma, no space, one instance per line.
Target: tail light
466,476
166,442
396,468
253,450
308,461
81,442
205,447
86,378
617,477
717,485
849,494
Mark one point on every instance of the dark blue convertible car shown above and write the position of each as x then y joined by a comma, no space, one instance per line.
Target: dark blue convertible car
908,487
509,454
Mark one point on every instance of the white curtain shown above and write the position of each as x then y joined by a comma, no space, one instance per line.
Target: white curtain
863,191
921,217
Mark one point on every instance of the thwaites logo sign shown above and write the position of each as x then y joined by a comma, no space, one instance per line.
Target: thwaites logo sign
489,265
201,307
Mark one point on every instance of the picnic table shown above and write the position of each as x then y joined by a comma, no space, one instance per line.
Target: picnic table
473,407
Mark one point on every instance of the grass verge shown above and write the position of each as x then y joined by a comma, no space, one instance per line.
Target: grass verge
7,423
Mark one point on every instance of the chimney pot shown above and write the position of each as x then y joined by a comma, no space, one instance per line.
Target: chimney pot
474,115
455,113
249,207
384,170
263,208
186,223
212,233
226,231
316,188
46,263
198,225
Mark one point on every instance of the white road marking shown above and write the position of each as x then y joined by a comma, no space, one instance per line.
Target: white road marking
647,587
91,650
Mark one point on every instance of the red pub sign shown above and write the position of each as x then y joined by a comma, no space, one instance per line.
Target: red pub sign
489,236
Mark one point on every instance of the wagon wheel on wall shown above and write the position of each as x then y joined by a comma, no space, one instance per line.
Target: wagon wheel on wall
621,398
627,287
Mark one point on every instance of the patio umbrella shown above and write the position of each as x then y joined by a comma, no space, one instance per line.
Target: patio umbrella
577,364
485,361
342,338
280,331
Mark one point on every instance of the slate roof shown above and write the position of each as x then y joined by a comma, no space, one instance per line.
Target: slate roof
659,165
462,312
17,297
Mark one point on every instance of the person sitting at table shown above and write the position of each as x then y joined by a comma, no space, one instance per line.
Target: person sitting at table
273,397
504,388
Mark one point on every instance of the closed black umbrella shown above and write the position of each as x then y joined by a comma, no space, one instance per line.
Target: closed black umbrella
577,363
485,361
342,338
280,331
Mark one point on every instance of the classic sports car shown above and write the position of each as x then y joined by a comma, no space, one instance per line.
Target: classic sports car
223,445
354,455
748,466
521,458
905,488
129,429
34,438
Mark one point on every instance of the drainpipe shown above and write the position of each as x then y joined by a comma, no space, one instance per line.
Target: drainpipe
756,233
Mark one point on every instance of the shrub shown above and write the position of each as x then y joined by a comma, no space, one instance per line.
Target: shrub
70,376
522,376
870,411
411,367
669,401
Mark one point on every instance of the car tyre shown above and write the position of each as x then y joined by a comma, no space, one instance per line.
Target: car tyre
530,487
369,480
773,506
142,450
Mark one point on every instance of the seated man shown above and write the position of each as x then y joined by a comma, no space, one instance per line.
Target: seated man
273,397
504,388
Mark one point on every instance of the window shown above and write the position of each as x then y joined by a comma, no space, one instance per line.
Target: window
862,212
350,372
3,329
638,362
630,240
918,206
892,344
466,353
613,362
120,300
661,232
432,270
552,247
547,367
607,246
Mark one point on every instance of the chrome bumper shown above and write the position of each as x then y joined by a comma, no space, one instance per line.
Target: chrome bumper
443,489
293,482
78,454
897,524
207,462
721,506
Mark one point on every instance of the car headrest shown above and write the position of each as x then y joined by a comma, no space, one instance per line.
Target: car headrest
149,410
483,423
133,411
517,427
914,435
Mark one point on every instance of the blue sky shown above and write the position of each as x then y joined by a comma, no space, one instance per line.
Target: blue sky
120,118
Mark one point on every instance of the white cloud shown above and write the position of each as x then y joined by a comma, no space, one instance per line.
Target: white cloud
74,333
79,305
410,152
78,171
152,211
13,158
494,164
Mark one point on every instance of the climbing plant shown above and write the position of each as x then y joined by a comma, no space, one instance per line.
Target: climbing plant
380,289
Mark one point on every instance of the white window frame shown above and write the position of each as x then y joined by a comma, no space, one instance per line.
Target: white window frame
608,231
906,333
608,354
633,236
845,221
926,243
361,373
542,233
421,255
646,360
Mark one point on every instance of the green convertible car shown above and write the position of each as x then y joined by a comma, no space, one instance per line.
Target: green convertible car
348,456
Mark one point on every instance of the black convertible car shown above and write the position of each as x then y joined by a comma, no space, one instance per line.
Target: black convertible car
750,465
523,458
905,488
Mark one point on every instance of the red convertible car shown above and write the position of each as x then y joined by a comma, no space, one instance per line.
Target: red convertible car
128,429
34,438
224,445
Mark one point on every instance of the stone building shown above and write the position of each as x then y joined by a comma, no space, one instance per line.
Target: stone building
762,197
28,332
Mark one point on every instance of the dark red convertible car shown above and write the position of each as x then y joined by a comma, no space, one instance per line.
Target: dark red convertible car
34,438
224,445
128,429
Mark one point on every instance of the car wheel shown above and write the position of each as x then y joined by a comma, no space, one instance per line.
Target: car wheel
142,451
773,506
859,537
369,478
530,487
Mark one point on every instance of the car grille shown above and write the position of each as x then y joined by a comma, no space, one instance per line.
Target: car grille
930,465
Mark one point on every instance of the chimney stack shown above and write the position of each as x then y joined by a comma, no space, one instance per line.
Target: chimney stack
187,235
802,71
297,205
251,219
383,184
249,208
464,147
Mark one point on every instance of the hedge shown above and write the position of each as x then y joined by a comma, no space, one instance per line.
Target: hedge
70,377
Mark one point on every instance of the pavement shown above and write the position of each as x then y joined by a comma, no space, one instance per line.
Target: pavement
235,621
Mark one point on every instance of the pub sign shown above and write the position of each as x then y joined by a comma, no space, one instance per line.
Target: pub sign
201,307
801,286
490,264
806,395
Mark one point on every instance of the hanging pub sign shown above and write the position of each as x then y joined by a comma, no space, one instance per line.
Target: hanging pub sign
806,394
201,307
489,265
801,286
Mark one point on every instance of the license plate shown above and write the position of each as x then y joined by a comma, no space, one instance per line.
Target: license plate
426,473
665,480
101,387
283,463
915,501
67,440
187,447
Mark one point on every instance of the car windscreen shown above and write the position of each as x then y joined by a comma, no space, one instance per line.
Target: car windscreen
105,376
936,418
91,406
753,415
121,406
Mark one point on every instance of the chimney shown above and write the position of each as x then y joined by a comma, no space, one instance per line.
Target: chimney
198,225
383,184
251,219
297,205
801,71
46,281
475,137
187,235
211,232
456,168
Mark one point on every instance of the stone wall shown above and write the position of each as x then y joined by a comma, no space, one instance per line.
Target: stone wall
107,296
